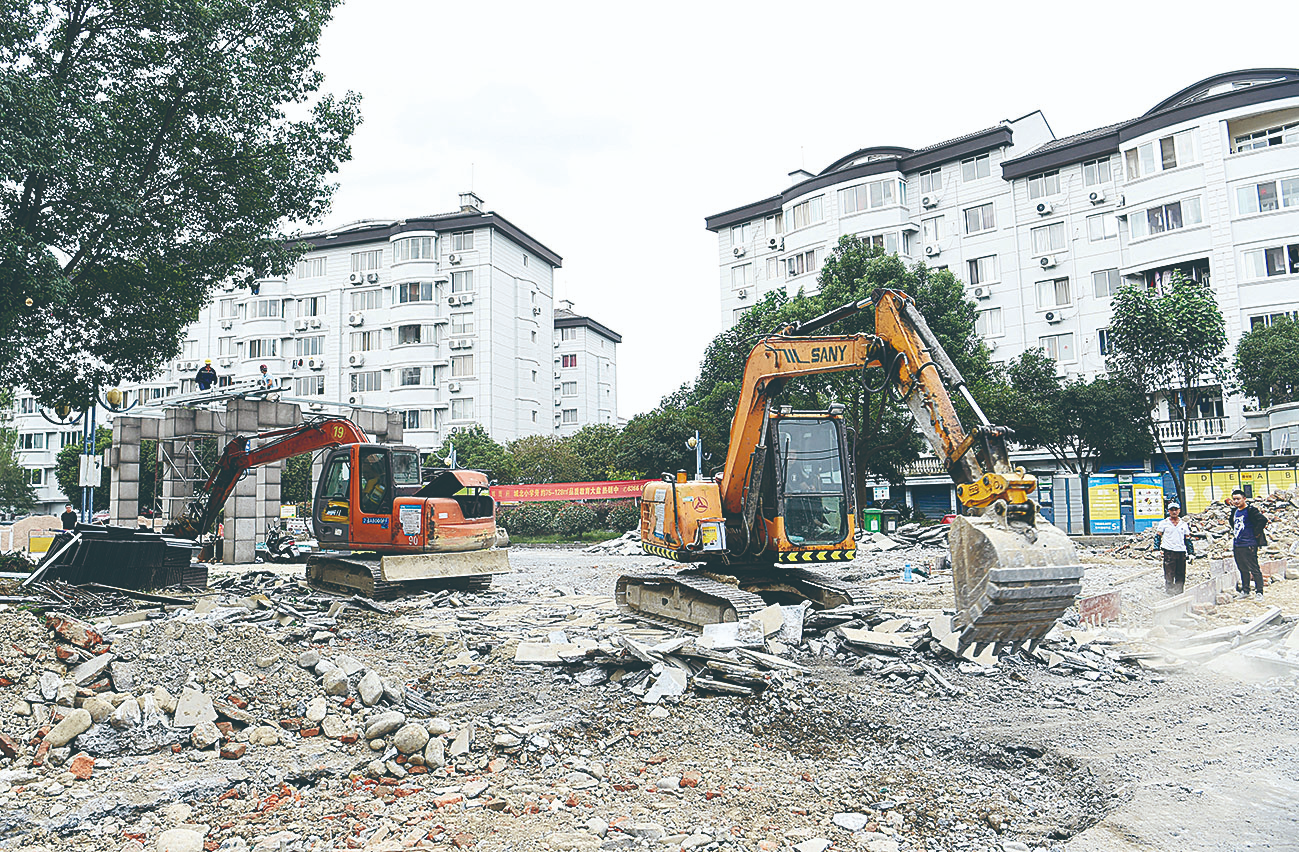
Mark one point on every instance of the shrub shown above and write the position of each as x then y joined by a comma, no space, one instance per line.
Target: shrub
574,519
526,518
623,516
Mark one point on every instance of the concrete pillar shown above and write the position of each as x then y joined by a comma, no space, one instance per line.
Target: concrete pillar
256,498
124,471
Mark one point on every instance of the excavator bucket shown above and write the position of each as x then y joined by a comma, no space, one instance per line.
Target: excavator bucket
1013,579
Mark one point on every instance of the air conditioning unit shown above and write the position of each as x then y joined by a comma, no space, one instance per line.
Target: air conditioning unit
932,251
1046,261
981,292
454,258
373,278
743,294
356,359
356,318
356,278
930,200
536,312
1044,208
315,322
1096,196
315,363
454,387
453,344
226,362
776,243
317,406
453,300
300,324
738,251
466,298
356,399
227,323
1052,317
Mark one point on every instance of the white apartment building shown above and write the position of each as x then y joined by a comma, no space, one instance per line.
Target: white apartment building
448,318
1043,230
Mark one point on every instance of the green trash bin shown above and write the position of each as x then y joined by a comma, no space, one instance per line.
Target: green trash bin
880,521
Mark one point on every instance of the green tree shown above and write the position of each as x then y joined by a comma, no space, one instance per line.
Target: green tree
1169,343
67,470
295,480
476,450
654,443
147,153
1267,362
595,448
17,496
540,459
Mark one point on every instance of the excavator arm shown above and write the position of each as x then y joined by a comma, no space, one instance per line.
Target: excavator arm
238,458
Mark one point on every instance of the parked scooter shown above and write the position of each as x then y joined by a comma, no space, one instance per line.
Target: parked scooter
280,544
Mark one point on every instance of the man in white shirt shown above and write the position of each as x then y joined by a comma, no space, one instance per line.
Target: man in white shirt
1173,532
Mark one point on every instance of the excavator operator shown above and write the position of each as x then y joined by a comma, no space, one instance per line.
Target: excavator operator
374,483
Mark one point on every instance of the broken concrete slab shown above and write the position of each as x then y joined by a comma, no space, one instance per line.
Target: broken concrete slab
891,643
92,670
193,707
769,620
671,682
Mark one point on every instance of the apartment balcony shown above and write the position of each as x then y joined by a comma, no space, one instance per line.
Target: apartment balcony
926,466
1201,428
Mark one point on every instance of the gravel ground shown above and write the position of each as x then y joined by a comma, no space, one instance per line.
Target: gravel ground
567,757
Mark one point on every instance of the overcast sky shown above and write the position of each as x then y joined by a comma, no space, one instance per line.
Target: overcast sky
608,131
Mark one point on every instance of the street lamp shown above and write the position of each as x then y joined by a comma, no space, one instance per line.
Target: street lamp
91,468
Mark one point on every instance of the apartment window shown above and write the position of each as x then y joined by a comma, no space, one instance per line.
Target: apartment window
312,306
1102,226
568,415
742,235
1271,261
568,361
304,347
806,213
36,476
410,334
1053,294
1282,134
31,441
1096,171
932,180
226,309
412,248
980,218
462,408
1161,155
66,438
370,380
463,240
1058,346
1103,341
264,309
1105,283
410,376
976,167
225,346
888,241
931,229
416,418
1263,197
365,300
310,386
412,291
1048,238
1047,183
462,365
462,282
367,261
1265,320
737,313
263,347
742,275
982,270
310,267
568,389
988,323
775,224
365,341
568,334
462,323
801,263
864,196
1165,217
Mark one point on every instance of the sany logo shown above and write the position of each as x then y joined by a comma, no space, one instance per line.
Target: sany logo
701,505
820,355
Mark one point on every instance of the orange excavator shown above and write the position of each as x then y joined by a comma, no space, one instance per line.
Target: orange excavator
785,497
387,529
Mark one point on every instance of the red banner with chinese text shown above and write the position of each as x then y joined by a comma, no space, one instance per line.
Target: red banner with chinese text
620,490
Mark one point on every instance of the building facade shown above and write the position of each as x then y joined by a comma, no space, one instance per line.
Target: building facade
1043,230
449,319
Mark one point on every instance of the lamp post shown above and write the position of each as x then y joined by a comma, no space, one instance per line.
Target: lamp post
91,467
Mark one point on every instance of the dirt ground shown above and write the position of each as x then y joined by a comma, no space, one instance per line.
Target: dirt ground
1019,756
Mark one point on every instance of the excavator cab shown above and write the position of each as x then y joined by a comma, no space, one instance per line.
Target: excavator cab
358,489
812,499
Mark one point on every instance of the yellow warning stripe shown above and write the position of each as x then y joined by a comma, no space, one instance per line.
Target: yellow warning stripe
798,556
664,552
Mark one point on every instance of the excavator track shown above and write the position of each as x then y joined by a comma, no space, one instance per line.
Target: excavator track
686,599
361,575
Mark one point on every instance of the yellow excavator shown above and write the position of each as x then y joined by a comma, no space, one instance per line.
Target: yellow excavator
785,497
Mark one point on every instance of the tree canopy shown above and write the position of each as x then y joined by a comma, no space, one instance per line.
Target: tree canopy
67,470
1267,362
150,149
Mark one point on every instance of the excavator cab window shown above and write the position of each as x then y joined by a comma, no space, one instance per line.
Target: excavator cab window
376,485
405,468
810,459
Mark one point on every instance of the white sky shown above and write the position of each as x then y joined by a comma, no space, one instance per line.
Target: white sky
608,131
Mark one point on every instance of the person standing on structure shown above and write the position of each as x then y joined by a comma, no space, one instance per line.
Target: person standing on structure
206,376
1174,535
1247,524
265,381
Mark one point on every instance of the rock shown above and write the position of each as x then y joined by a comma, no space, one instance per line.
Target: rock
48,685
851,821
349,665
460,745
73,630
324,666
98,708
192,708
335,682
333,726
650,831
597,826
815,844
572,840
410,738
384,724
376,769
122,674
67,695
205,734
179,840
76,722
82,766
264,735
881,844
317,709
166,703
92,670
435,753
437,727
233,751
127,715
370,688
309,659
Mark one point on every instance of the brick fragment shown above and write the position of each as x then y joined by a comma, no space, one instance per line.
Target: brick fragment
82,766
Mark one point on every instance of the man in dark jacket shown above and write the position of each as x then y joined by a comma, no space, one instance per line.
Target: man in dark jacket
206,376
1247,524
69,517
